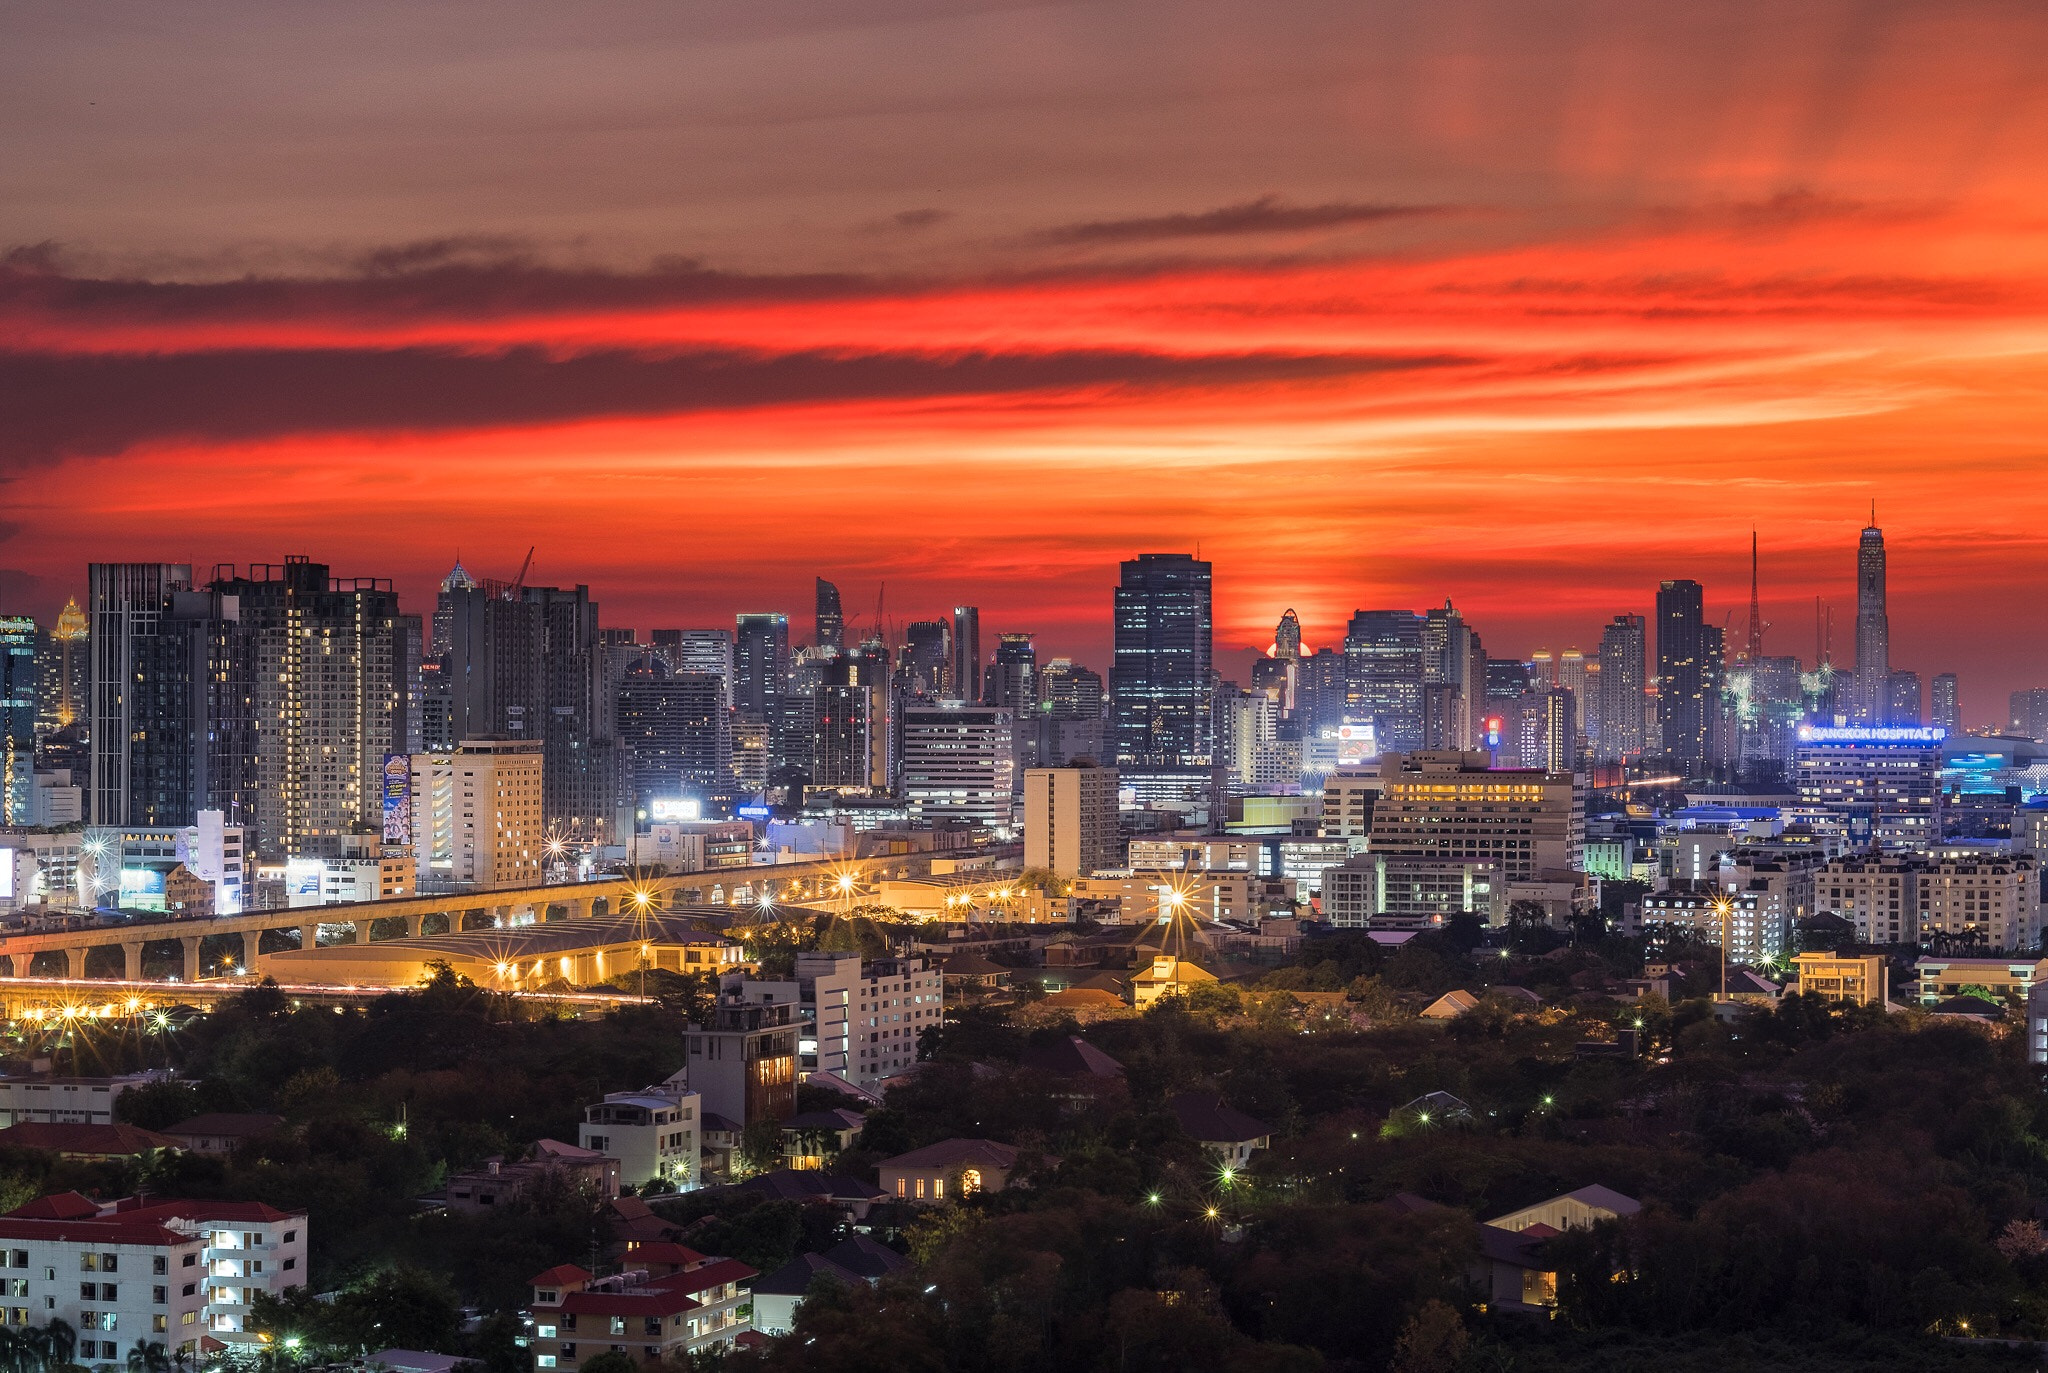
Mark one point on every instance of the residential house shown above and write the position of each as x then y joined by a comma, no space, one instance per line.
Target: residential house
855,1260
222,1132
1514,1268
1223,1130
92,1142
814,1138
948,1170
1449,1006
1167,976
652,1133
499,1182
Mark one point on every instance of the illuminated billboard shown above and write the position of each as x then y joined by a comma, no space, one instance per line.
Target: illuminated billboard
397,798
142,889
1356,744
667,810
1908,736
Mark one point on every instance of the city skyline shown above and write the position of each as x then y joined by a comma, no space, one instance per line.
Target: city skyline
1374,308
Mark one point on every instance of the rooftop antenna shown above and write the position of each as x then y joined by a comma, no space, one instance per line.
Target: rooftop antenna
1754,648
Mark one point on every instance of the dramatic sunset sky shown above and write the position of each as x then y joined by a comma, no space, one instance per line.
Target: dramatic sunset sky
1523,304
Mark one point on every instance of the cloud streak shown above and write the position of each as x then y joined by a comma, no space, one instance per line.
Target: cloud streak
1268,214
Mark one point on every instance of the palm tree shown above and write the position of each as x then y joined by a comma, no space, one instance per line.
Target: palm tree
31,1350
10,1352
63,1341
148,1356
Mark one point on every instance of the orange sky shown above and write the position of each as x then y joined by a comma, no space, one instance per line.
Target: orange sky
1483,305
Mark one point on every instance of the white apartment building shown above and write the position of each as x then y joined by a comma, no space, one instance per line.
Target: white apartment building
653,1133
1879,896
1348,799
476,815
64,1100
123,1272
859,1022
1991,896
1755,925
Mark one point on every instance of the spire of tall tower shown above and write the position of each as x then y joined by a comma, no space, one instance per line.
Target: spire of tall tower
1754,648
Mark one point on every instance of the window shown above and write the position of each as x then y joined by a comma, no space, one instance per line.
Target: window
546,1332
290,1264
159,1265
544,1360
109,1292
190,1289
109,1262
159,1295
88,1263
618,1325
190,1259
88,1320
87,1290
187,1318
159,1324
290,1235
20,1258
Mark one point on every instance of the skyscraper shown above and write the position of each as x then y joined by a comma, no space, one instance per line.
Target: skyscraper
1682,671
1160,689
957,765
966,679
1012,680
1873,627
760,664
829,626
458,579
322,660
676,733
1622,648
703,650
924,658
125,603
19,680
1287,636
495,684
1945,709
1448,662
1383,676
580,768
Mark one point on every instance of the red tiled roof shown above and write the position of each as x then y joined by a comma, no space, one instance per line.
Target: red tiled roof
662,1251
561,1275
106,1140
106,1230
200,1209
710,1275
235,1124
58,1206
951,1151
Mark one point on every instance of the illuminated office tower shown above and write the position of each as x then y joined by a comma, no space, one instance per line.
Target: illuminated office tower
1453,668
1902,698
1684,674
19,680
1160,684
760,663
924,659
1873,628
476,815
440,632
1945,707
580,765
1882,782
676,735
701,650
958,763
1383,676
1580,676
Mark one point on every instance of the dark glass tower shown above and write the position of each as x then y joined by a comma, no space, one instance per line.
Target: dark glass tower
1383,676
1682,670
966,682
829,631
1160,688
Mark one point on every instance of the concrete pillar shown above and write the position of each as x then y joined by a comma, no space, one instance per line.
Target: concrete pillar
76,958
580,909
252,949
191,946
13,969
415,926
358,931
309,936
131,962
501,916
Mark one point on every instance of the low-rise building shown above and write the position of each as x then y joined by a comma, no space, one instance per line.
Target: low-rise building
852,1261
500,1182
948,1170
667,1310
1169,975
653,1133
1863,980
222,1132
1228,1133
129,1272
65,1100
116,1141
2003,978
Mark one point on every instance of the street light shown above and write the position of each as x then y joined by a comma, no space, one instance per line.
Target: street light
1724,908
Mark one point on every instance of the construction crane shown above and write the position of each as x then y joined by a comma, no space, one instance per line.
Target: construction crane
519,582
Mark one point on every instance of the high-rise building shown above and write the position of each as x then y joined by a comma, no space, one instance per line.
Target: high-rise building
1945,707
924,658
476,815
1902,699
1319,692
1070,820
1873,627
1622,648
412,651
320,661
1069,691
760,664
1580,676
2029,714
496,684
1160,681
1383,676
957,765
1684,674
703,650
850,724
1012,678
676,733
442,631
965,683
829,624
66,674
126,602
1883,782
1453,664
1452,805
580,774
19,683
1287,636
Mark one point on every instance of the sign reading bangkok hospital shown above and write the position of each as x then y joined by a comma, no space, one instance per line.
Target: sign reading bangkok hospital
1872,734
397,798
